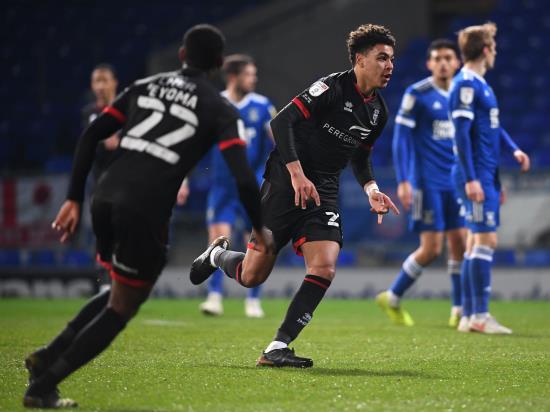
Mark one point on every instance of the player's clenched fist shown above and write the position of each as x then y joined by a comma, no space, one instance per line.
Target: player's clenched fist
474,191
67,219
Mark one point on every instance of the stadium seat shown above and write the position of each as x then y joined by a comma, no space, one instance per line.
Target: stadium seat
537,258
10,258
45,257
79,258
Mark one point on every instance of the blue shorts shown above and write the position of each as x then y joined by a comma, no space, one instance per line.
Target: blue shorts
435,210
224,206
482,217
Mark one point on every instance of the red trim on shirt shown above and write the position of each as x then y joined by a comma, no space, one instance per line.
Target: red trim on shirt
135,283
226,144
366,99
298,244
302,108
115,113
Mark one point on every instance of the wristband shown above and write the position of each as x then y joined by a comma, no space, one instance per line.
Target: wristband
371,188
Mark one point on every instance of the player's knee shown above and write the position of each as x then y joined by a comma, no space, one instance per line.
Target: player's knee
324,270
428,254
251,279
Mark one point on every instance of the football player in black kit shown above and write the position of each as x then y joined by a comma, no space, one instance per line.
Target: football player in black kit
103,83
168,122
334,121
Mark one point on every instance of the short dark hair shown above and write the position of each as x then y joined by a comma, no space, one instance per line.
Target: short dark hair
367,36
442,44
235,63
204,45
472,40
106,67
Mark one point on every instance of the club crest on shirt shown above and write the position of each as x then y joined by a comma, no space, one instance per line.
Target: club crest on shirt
253,115
467,95
348,106
318,88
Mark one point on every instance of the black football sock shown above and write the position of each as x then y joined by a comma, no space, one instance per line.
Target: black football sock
89,343
62,341
230,262
300,310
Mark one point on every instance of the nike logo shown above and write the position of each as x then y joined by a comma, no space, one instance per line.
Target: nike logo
362,131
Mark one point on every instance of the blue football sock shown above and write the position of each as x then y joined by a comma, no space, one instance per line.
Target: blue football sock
466,290
215,283
481,261
410,271
453,269
254,293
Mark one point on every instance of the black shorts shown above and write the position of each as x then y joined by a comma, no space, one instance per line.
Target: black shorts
130,246
289,222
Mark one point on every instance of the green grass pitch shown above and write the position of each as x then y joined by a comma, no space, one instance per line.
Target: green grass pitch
171,358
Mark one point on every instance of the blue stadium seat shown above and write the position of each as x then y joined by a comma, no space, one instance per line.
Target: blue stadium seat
537,258
44,257
10,258
79,258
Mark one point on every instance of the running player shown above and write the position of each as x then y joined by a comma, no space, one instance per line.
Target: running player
423,158
169,121
335,120
475,114
224,208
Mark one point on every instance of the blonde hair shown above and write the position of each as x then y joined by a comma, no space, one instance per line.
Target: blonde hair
473,39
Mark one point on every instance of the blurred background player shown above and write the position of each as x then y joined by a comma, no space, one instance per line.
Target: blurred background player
478,136
423,159
169,121
103,83
224,207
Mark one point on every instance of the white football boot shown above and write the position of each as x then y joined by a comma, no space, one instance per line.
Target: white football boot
212,305
464,324
253,308
486,323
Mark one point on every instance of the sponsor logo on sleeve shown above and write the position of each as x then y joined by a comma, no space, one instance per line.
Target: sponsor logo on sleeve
305,97
318,88
374,120
408,102
466,95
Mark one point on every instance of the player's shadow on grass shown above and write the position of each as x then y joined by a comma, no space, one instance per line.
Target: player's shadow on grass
369,372
343,372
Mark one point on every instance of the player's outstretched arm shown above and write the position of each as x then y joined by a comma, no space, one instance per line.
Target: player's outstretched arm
249,194
521,157
69,215
361,165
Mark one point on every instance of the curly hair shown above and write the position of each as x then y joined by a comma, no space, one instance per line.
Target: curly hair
367,36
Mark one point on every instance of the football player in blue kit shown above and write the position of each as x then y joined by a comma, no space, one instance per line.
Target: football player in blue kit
423,158
224,207
478,136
